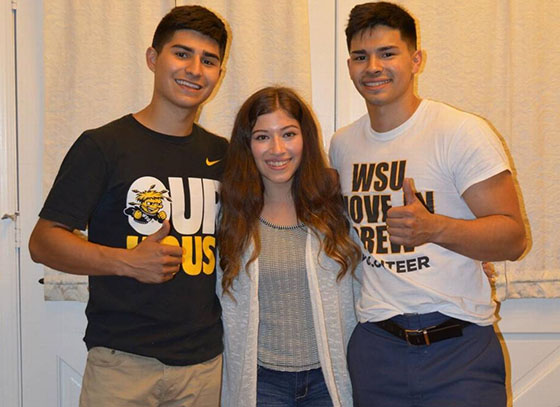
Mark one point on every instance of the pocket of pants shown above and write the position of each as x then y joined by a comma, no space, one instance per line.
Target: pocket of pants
105,357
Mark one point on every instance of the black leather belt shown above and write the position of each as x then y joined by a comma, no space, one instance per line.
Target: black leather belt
451,328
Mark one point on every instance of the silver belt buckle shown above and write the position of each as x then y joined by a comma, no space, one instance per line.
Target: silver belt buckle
424,333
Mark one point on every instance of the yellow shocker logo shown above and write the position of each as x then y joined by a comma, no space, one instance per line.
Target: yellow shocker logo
148,205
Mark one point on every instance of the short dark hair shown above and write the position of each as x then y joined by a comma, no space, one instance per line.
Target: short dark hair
196,18
370,15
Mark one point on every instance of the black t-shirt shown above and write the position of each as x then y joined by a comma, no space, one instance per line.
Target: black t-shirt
121,181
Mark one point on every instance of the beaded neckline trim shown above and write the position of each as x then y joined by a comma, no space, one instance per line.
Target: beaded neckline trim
272,225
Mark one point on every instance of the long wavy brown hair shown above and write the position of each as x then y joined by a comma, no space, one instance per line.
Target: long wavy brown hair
315,189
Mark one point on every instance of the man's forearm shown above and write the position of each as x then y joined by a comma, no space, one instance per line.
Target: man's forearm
497,233
57,247
489,238
151,261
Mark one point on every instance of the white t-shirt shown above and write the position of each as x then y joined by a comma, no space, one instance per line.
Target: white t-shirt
445,151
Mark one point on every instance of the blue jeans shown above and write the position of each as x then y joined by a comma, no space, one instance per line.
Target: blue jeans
467,371
292,389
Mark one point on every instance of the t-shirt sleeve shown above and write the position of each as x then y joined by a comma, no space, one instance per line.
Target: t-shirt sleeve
476,154
78,186
332,151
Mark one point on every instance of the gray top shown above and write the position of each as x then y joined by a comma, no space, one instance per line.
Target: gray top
286,339
332,304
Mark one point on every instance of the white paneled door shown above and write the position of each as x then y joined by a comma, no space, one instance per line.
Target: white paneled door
53,353
10,355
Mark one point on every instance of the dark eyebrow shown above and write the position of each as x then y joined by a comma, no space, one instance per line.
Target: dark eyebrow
387,48
358,52
211,55
381,49
297,127
204,53
289,126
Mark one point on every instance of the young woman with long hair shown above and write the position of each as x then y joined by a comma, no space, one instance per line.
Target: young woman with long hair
287,261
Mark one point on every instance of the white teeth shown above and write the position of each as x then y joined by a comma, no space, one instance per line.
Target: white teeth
188,84
277,163
376,83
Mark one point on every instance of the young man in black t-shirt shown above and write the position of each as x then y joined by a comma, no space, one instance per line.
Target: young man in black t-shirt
145,186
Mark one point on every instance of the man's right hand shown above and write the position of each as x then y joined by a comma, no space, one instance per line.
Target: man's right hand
152,261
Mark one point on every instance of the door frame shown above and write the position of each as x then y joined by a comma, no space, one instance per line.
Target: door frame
10,322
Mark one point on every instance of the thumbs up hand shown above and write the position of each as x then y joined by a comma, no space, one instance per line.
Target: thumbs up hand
151,261
412,224
409,191
158,235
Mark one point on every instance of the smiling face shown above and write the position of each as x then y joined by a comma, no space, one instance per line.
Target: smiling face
277,146
152,206
382,67
185,71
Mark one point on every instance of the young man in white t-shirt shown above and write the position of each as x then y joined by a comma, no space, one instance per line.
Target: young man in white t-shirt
430,192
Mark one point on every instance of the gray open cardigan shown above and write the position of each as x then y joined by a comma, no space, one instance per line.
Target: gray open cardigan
334,319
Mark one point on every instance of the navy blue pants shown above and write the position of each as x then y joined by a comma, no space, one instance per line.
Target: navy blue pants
292,389
466,371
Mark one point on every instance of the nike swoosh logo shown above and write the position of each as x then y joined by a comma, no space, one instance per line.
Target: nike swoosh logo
211,163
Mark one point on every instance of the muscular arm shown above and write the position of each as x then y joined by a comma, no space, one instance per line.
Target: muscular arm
497,233
54,245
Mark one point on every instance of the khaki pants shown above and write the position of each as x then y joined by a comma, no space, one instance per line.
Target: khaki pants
114,378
